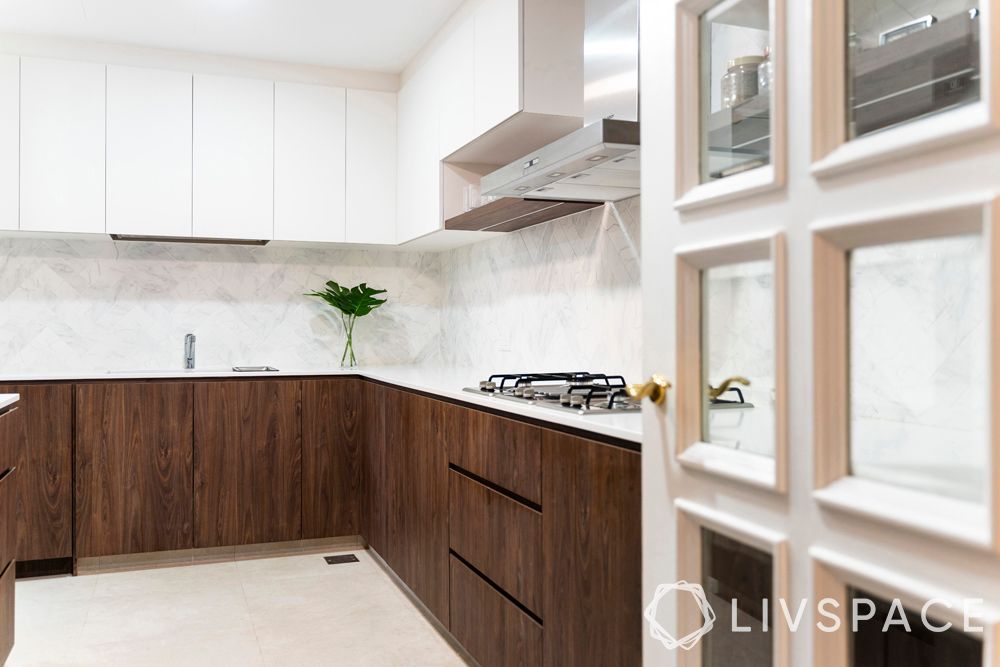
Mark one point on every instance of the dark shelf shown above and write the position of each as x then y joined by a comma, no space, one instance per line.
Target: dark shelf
925,72
744,129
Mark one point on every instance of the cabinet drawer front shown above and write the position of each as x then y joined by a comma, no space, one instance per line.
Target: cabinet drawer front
490,626
503,451
6,612
8,524
498,536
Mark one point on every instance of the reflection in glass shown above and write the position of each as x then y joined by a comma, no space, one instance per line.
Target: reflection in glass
895,647
918,382
738,356
734,571
909,58
736,82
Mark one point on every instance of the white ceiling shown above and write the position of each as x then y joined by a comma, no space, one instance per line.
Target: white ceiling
380,35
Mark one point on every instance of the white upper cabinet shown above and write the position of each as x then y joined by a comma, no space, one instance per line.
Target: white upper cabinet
149,152
233,158
309,162
62,146
454,70
371,167
497,62
9,140
418,207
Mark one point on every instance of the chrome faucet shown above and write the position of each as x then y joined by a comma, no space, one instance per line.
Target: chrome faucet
189,341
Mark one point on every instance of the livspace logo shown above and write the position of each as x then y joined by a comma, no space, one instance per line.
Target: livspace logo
690,640
828,610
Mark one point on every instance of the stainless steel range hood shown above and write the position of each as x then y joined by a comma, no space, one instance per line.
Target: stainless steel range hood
599,162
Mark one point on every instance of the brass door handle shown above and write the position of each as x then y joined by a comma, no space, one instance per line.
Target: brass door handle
655,390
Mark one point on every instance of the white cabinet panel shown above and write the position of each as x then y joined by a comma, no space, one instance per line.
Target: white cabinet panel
9,140
418,207
497,62
233,158
149,152
309,162
453,68
371,167
62,146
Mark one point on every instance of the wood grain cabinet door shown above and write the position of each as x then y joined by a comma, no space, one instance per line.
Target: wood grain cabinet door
133,468
247,462
335,421
375,469
418,497
498,536
592,545
40,432
490,627
6,612
503,451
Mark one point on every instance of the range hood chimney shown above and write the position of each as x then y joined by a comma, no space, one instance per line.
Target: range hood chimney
599,162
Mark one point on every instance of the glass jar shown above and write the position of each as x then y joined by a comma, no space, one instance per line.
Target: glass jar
765,74
739,83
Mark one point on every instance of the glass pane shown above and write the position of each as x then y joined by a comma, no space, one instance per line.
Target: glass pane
909,58
736,83
738,345
733,571
918,381
874,645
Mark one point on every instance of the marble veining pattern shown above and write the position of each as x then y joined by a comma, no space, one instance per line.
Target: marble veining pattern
560,296
96,304
918,363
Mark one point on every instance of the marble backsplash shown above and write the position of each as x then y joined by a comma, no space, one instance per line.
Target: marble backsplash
95,305
560,295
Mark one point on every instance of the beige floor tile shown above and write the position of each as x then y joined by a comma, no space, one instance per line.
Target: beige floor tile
308,565
205,576
294,611
231,648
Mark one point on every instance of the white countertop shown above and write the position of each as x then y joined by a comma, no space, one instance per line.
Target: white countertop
7,400
443,382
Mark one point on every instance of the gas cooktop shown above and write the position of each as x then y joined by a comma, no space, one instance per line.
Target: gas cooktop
581,391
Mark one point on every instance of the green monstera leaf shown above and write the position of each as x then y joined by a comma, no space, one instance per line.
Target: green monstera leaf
355,301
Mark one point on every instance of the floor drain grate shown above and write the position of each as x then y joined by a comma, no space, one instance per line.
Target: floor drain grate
336,560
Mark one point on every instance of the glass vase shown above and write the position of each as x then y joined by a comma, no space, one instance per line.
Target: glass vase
348,360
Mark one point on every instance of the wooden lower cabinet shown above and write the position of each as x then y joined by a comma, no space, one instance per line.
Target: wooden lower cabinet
133,468
335,421
417,492
498,536
375,470
8,527
592,541
247,462
6,612
8,536
504,451
40,432
490,627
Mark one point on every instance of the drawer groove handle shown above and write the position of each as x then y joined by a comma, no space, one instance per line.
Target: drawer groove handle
8,473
